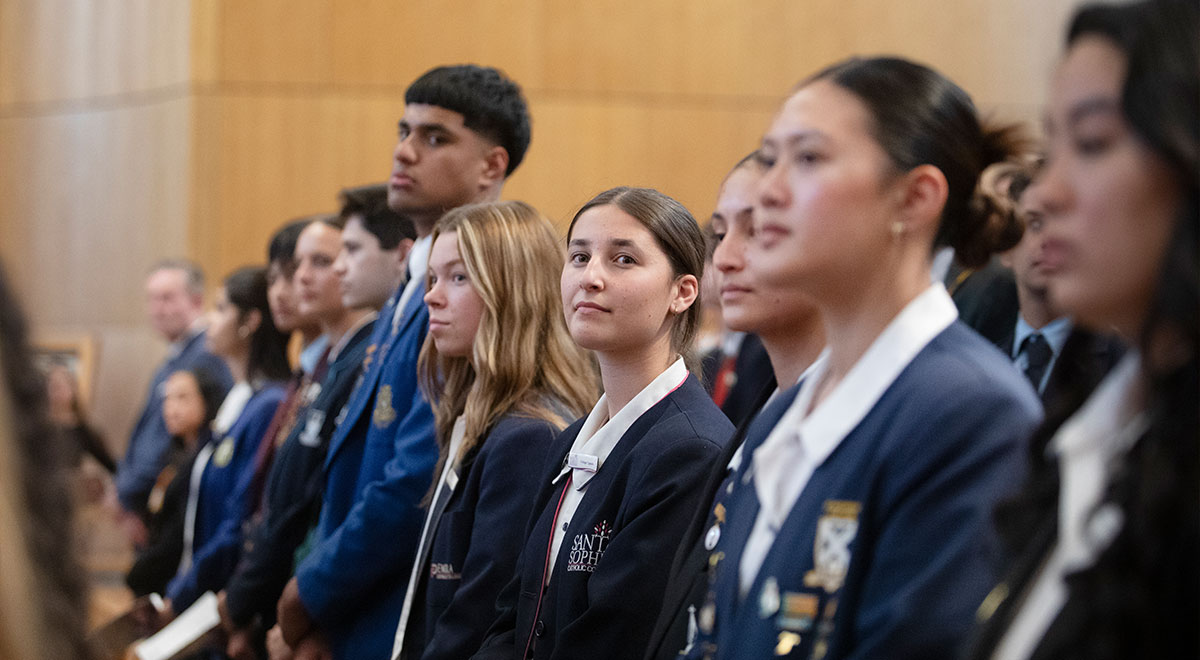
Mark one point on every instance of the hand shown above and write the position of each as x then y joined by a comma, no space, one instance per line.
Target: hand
241,645
223,612
313,647
294,621
277,649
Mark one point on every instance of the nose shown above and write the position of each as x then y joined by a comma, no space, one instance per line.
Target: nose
729,255
1049,192
404,152
339,264
773,191
592,277
433,296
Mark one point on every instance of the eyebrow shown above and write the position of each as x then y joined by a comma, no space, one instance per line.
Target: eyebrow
1090,106
423,128
798,136
618,242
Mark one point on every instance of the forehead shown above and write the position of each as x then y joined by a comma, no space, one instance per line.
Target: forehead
824,109
1093,68
738,188
608,222
165,280
181,380
445,248
417,115
318,237
354,230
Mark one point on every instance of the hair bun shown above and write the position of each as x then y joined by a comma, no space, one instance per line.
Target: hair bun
992,224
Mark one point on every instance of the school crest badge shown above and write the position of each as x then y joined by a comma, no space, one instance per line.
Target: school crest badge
384,414
836,530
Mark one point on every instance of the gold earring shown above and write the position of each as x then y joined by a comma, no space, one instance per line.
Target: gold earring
897,229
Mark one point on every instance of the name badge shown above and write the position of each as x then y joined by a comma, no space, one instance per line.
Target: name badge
583,462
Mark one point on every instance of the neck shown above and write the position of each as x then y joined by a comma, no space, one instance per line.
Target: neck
309,334
336,327
627,373
1036,309
792,351
424,220
190,439
239,366
852,324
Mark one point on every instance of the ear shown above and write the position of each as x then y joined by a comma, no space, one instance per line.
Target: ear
687,287
495,166
402,250
924,191
252,319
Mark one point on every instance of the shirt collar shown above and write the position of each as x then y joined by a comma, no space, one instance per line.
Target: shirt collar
418,257
820,432
599,434
1109,421
311,354
349,334
1055,333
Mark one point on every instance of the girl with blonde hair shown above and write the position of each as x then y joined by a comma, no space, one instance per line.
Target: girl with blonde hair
505,378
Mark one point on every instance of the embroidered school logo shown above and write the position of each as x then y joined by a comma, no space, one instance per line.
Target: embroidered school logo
588,549
831,552
385,414
438,571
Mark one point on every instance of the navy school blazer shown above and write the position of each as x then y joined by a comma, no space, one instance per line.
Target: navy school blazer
632,515
688,582
292,495
378,467
478,539
222,506
889,549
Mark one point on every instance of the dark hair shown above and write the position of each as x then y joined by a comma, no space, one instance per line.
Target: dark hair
246,289
1140,597
677,235
41,464
921,117
491,104
282,248
211,391
191,270
369,204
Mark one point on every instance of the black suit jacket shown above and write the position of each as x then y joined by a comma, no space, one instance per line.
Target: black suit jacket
752,371
986,298
1085,360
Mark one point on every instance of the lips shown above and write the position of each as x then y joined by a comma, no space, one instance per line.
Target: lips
733,290
400,180
587,306
1055,253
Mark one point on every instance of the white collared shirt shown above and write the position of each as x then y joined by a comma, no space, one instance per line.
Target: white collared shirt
801,441
1086,444
418,264
596,440
1055,333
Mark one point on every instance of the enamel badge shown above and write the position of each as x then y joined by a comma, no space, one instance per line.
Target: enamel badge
836,530
384,414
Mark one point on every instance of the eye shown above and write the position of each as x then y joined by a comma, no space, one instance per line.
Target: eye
435,140
625,260
404,132
767,161
458,278
718,236
578,258
808,157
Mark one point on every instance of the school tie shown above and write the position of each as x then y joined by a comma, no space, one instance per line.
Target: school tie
724,380
1037,356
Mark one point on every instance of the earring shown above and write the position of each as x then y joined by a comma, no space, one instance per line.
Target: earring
243,332
897,229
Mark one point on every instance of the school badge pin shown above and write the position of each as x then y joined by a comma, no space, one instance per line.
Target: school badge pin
786,642
797,612
223,453
384,414
368,357
713,535
768,600
836,530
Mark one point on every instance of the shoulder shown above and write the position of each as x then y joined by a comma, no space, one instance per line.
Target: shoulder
685,417
267,398
962,366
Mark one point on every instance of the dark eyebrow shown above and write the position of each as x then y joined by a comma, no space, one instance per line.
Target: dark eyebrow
623,242
581,242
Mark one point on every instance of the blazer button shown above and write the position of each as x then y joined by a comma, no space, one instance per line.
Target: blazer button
539,629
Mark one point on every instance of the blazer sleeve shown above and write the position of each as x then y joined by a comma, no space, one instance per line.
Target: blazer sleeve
628,583
936,555
509,485
378,539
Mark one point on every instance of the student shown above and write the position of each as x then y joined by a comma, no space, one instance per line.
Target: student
858,523
621,482
465,129
791,333
191,399
506,379
375,245
1106,532
243,334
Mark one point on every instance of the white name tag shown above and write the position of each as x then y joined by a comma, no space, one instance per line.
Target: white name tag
583,462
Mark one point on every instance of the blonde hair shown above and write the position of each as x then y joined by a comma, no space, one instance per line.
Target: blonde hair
523,361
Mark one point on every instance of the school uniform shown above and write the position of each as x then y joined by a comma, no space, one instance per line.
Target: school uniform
377,470
1079,359
675,629
220,480
472,539
736,372
292,494
612,507
150,442
863,529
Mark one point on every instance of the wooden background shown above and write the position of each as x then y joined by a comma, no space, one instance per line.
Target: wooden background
136,129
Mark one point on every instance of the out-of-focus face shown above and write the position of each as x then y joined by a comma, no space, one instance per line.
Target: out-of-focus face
748,304
824,209
226,336
438,163
60,390
455,307
317,285
1027,258
368,273
1109,201
169,305
618,286
281,297
183,405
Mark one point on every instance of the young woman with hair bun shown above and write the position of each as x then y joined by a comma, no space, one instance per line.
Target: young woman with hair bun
859,521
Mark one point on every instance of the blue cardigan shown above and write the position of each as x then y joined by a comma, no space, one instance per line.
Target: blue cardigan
900,512
640,500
